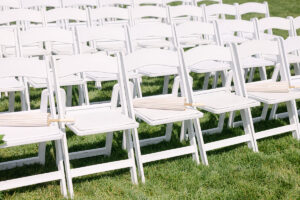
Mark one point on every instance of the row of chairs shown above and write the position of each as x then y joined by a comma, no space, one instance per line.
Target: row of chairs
107,118
38,4
27,18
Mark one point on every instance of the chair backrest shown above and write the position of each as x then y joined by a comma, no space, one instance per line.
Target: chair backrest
49,37
263,47
22,18
292,44
253,8
8,39
8,4
39,5
144,14
235,26
80,3
271,23
204,31
109,15
219,11
98,35
66,17
182,13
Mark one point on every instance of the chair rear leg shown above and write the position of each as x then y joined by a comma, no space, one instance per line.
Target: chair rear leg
191,134
108,143
249,128
293,117
69,96
200,141
166,84
131,156
42,152
138,154
11,100
65,152
60,166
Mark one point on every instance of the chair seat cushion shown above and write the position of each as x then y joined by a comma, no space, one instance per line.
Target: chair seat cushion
155,71
99,120
256,62
220,101
274,98
10,84
15,136
155,117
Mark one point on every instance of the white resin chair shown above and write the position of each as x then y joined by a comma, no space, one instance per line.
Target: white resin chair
177,3
196,2
91,120
219,101
17,136
253,8
266,47
148,14
154,117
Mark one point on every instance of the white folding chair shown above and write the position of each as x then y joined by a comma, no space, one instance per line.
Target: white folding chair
219,11
154,117
21,18
91,120
109,15
17,136
180,2
221,100
267,47
66,18
184,13
10,85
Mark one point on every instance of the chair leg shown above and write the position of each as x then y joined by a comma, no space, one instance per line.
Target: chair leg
216,78
251,75
273,112
293,117
231,119
191,133
124,141
249,128
67,165
131,156
42,152
263,73
108,143
11,100
264,112
69,96
200,141
206,80
60,167
86,94
183,131
166,84
168,134
138,154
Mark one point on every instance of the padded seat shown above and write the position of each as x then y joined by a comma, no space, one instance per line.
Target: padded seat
103,120
155,117
274,98
256,62
220,101
15,136
66,81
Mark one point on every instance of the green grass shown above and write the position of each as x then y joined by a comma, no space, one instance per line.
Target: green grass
234,172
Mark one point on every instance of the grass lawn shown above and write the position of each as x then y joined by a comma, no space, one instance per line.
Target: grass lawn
234,172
